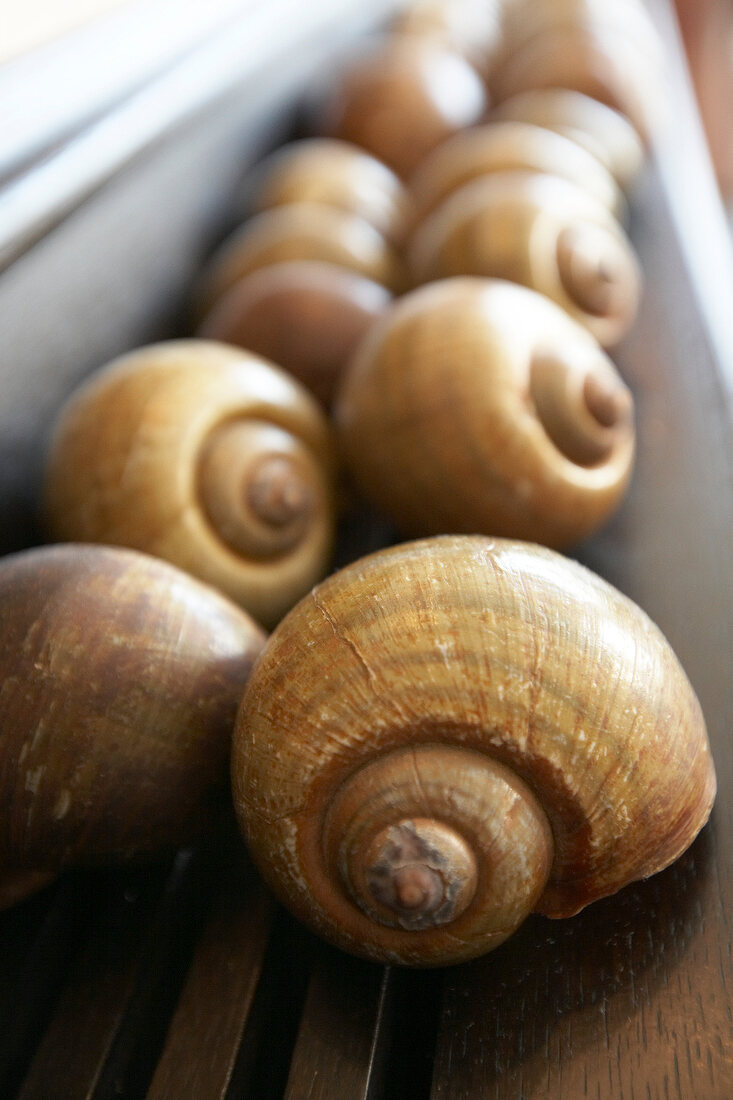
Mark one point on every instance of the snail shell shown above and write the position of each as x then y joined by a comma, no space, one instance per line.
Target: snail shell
602,64
306,317
542,232
400,99
509,147
600,130
301,231
450,734
479,406
120,678
333,173
206,456
470,27
527,19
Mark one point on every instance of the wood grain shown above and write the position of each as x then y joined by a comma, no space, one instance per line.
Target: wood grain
343,1032
204,1036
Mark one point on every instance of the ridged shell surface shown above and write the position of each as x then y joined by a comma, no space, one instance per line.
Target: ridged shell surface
502,649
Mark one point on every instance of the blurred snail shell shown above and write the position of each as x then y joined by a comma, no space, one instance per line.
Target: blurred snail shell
306,317
528,19
509,147
600,130
401,98
450,734
206,456
479,406
605,66
333,173
471,27
120,678
301,231
540,231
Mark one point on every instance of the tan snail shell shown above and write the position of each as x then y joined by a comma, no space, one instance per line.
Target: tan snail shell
206,456
450,734
301,231
120,677
479,406
542,232
306,317
333,173
509,147
526,19
597,128
600,62
471,27
401,98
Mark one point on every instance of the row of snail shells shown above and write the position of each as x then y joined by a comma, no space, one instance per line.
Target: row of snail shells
451,734
310,301
121,678
610,52
542,232
206,456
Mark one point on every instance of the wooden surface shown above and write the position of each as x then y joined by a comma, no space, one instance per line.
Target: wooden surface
184,980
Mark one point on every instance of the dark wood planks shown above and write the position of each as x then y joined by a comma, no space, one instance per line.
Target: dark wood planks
214,1007
93,1001
341,1046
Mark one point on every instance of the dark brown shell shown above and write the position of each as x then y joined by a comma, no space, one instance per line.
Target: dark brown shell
120,677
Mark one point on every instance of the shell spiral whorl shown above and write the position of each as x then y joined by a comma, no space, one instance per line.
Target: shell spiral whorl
204,455
430,703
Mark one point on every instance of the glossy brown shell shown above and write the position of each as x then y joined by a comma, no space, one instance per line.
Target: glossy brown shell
471,27
119,680
400,99
307,317
485,649
204,455
332,173
542,232
301,231
595,126
508,147
464,410
602,63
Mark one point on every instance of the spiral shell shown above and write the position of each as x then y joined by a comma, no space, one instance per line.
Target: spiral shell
471,27
332,173
301,231
597,128
307,317
479,406
508,147
600,62
400,99
542,232
206,456
120,678
449,734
